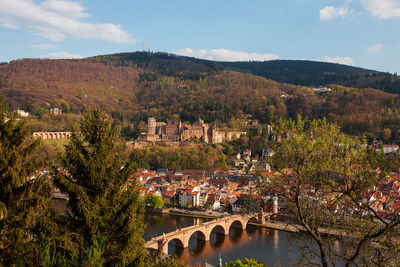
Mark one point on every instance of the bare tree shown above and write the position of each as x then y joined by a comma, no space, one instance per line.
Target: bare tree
329,182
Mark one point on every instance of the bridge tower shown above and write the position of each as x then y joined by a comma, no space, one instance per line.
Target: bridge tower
275,206
261,217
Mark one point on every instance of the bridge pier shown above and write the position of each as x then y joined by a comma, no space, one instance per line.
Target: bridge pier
165,248
261,217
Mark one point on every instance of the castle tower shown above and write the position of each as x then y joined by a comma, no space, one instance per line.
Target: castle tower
205,133
151,126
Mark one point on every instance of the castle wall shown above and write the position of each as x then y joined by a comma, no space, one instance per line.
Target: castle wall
51,135
175,131
172,127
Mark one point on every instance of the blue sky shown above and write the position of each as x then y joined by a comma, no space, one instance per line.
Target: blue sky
363,33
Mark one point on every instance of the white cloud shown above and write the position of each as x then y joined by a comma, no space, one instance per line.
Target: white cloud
384,9
67,8
44,46
330,12
375,48
61,55
225,55
57,20
339,60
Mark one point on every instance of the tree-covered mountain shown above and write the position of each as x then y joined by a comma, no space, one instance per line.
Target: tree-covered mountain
134,86
299,72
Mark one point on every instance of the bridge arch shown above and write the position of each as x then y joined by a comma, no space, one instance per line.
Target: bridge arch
252,220
174,246
217,235
198,238
219,230
198,235
237,224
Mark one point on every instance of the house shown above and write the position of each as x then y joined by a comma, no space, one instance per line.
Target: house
168,197
267,153
218,182
238,206
213,202
194,174
247,154
188,198
321,90
55,111
22,113
390,149
203,198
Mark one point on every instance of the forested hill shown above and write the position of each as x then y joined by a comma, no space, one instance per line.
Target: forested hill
134,86
299,72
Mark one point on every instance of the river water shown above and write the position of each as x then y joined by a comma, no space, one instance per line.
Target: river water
272,247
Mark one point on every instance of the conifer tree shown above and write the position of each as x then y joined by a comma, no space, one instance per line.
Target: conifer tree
24,195
107,216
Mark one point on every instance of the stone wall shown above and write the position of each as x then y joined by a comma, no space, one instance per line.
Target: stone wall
52,135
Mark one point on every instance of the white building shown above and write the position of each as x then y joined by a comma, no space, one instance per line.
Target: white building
187,198
22,113
390,149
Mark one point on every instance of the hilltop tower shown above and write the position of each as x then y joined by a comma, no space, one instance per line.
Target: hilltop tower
151,126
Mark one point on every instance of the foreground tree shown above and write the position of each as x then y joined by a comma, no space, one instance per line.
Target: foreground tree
246,262
106,220
24,194
327,182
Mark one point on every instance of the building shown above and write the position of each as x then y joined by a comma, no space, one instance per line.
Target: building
55,111
322,90
22,113
390,149
188,198
247,154
176,131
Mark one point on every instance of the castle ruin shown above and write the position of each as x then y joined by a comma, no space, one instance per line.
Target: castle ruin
176,131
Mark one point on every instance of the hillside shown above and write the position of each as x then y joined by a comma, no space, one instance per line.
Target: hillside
299,72
136,93
134,86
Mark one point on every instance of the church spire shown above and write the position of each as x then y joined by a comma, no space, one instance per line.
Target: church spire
219,261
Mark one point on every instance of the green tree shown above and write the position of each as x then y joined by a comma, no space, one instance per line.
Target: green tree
23,192
246,262
327,180
155,201
387,133
107,221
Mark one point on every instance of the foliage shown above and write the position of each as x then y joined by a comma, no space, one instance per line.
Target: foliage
23,192
107,222
246,262
154,201
149,77
134,86
327,181
202,156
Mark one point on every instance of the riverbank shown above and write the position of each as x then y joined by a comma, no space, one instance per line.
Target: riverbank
197,214
188,213
295,228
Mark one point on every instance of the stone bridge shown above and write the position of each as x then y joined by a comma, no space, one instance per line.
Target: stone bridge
52,135
203,231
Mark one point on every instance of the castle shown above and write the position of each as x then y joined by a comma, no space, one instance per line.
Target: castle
176,131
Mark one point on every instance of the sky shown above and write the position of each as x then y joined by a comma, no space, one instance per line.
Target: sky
362,33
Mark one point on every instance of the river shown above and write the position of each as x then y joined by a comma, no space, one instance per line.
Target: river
270,246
